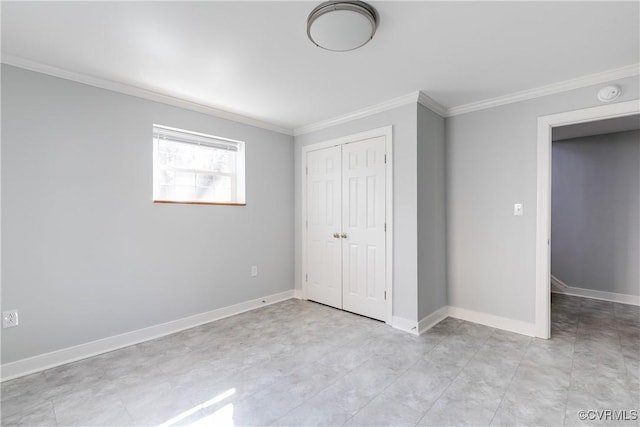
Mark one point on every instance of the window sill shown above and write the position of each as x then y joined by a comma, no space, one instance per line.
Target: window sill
172,202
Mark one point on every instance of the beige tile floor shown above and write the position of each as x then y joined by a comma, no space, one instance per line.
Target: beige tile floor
299,363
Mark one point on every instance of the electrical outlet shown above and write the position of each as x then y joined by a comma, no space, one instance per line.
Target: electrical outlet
254,270
10,318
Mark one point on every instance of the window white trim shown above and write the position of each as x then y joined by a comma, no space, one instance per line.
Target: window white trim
184,137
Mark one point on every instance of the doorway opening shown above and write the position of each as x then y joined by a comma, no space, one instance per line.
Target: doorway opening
546,125
595,221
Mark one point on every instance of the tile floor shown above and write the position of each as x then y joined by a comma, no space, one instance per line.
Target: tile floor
299,363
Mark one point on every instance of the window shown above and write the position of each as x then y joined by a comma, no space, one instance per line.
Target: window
191,167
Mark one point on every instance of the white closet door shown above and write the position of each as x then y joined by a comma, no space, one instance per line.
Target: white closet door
324,253
363,225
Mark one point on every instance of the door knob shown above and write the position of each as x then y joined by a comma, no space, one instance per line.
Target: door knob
344,235
336,235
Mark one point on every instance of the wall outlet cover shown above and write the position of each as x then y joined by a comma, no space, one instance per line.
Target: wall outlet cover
9,318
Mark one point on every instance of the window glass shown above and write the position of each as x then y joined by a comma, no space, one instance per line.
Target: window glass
190,167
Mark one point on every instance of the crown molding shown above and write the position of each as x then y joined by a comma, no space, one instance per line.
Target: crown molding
431,104
358,114
411,98
139,92
554,88
428,102
414,97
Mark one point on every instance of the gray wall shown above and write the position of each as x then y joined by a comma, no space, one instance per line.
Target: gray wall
405,241
595,212
432,275
87,255
491,164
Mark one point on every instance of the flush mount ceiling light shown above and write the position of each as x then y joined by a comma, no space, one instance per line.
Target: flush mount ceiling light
341,26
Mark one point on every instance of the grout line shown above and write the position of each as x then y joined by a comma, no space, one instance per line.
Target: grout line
624,359
392,382
424,414
524,353
330,383
53,408
566,403
431,351
418,360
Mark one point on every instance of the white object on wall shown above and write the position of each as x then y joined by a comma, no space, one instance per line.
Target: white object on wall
609,93
517,209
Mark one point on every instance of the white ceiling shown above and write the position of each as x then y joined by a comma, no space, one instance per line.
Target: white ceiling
254,58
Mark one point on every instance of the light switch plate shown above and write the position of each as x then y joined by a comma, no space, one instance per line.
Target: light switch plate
517,209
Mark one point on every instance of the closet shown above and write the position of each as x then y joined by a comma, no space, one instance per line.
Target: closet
345,222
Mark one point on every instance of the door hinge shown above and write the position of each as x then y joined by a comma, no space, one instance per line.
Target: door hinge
385,227
385,159
385,295
306,277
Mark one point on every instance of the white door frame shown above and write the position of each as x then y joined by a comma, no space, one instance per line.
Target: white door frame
387,132
543,221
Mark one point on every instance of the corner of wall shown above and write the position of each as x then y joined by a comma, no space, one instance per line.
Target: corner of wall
431,215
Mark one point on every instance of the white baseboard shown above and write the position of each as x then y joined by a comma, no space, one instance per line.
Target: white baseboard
559,287
511,325
406,325
431,320
71,354
498,322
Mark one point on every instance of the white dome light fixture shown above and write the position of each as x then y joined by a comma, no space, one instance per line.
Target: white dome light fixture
341,26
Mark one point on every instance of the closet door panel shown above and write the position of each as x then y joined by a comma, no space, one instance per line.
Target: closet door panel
363,227
324,217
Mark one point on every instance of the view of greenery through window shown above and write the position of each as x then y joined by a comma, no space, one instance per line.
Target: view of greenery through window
190,169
